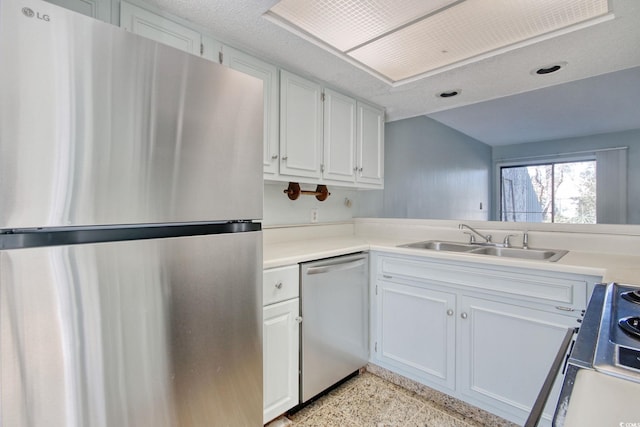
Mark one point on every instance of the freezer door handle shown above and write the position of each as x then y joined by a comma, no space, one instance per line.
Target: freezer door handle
337,267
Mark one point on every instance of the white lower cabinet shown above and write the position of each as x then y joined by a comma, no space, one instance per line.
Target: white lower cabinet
505,354
483,334
280,340
415,333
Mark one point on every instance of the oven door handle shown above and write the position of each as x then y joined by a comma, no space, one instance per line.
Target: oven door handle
543,396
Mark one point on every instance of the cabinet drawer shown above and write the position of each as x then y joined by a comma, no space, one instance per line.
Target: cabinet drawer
280,284
533,285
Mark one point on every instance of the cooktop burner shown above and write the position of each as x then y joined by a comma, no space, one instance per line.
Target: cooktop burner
633,296
631,325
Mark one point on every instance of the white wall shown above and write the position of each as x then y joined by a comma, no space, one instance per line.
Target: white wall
279,210
431,172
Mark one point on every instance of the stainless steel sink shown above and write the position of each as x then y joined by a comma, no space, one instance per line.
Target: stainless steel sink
549,255
435,245
535,254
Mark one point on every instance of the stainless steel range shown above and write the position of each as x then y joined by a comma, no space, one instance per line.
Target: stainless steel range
618,346
608,342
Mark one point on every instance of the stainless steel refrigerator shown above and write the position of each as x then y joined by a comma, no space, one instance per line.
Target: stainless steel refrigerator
130,242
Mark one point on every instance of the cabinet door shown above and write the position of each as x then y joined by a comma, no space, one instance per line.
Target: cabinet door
339,137
99,9
505,352
300,126
158,28
416,332
281,340
269,75
370,144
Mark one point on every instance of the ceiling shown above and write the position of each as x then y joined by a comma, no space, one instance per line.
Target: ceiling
404,41
500,100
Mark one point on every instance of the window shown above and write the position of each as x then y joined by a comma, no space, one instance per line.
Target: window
563,192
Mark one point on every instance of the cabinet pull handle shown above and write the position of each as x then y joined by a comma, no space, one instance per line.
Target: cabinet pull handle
464,315
450,312
279,285
284,158
299,319
273,157
559,307
386,276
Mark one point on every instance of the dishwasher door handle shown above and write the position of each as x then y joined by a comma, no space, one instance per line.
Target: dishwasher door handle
336,267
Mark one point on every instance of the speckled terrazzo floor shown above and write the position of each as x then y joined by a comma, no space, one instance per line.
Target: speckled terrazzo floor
368,400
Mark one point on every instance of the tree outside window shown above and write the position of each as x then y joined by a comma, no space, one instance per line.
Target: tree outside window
551,192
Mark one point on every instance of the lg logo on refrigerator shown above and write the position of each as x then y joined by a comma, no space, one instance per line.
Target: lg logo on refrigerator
29,13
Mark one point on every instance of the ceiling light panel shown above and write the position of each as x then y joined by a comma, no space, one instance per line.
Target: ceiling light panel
400,41
345,24
470,29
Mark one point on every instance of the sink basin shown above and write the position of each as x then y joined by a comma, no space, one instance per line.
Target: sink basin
535,254
550,255
436,245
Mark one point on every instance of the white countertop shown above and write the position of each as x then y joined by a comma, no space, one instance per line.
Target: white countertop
613,267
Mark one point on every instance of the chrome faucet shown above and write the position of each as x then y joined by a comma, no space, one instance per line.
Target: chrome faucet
506,243
486,238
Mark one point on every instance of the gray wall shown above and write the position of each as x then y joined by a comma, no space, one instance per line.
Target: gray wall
432,172
629,139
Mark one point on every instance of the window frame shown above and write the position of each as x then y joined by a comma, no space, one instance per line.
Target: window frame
529,161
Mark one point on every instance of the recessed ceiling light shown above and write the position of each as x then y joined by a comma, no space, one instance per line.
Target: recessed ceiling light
449,93
549,69
400,42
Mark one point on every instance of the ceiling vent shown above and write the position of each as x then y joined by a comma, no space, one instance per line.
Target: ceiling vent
400,42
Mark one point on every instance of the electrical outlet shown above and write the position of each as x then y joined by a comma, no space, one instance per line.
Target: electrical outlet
314,215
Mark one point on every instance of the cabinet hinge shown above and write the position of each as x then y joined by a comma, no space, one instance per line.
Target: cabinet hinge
220,57
376,289
201,49
322,96
375,346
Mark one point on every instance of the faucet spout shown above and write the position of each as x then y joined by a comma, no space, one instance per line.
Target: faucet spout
487,238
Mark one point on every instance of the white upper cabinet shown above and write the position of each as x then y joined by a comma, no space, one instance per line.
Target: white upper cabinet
99,9
211,48
370,155
327,137
160,29
339,137
269,75
312,134
300,127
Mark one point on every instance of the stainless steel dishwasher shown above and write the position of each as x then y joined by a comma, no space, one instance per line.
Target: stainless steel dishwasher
335,321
